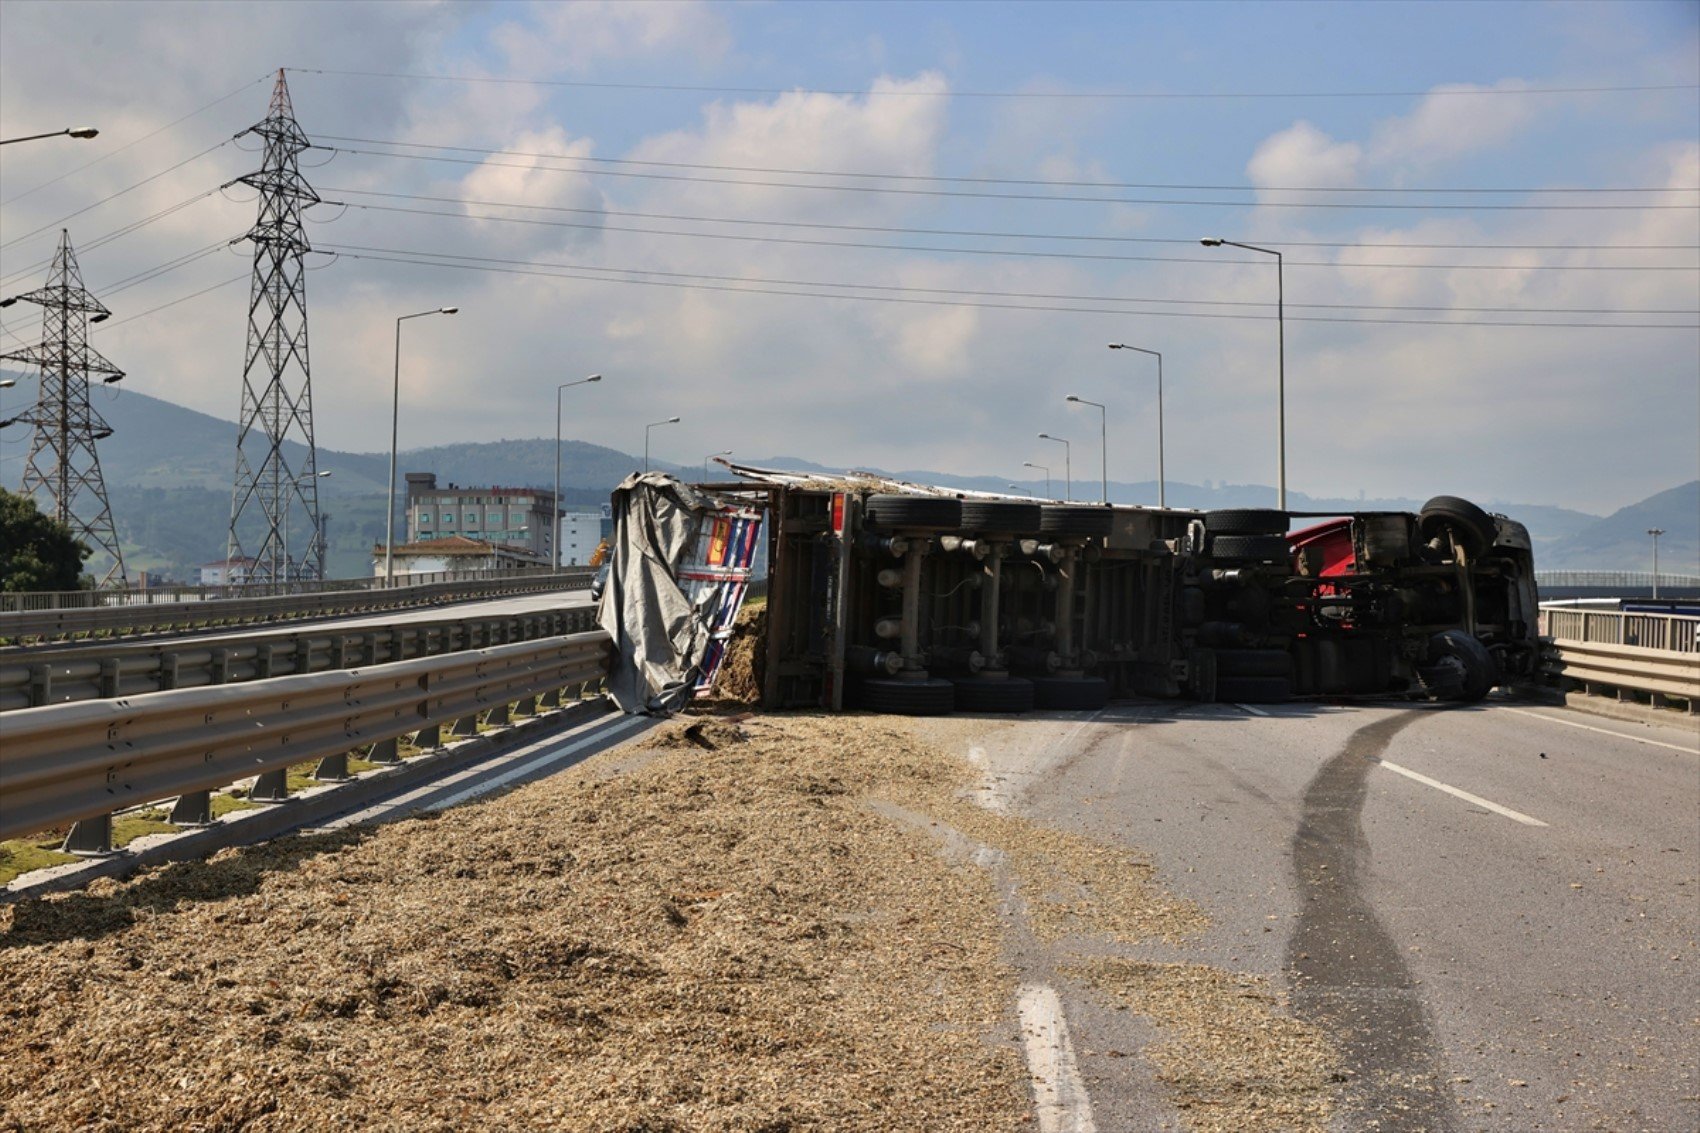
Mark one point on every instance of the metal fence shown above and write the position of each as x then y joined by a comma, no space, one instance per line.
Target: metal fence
1604,650
79,763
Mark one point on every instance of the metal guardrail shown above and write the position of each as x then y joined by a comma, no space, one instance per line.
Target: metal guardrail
1658,654
58,675
150,617
78,763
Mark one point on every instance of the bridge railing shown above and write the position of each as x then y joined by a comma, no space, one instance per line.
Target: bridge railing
79,763
171,595
1607,650
1613,580
211,610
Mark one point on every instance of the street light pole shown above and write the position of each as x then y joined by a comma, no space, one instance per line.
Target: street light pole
711,456
555,526
1162,489
1281,331
1655,532
1103,445
1046,469
69,132
1068,466
395,418
646,429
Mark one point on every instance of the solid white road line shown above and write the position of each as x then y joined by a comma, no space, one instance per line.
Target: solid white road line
1515,816
1059,1096
553,755
1603,731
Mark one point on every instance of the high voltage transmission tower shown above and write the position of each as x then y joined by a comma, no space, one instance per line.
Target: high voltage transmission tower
277,387
63,465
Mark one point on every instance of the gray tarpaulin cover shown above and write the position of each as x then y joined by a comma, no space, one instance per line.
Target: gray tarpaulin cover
659,637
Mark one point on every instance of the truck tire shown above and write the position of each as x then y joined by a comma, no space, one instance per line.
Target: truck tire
1074,519
1254,690
1473,528
1089,693
891,510
1000,518
976,694
1477,671
1247,521
1254,663
931,697
1251,548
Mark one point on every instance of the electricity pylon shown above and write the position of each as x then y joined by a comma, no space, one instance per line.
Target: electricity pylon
277,386
63,466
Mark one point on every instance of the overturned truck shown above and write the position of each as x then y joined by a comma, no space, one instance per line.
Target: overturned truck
902,598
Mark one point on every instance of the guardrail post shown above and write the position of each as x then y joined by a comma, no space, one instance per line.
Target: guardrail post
167,671
368,649
219,667
41,685
303,655
271,787
498,715
108,678
526,707
192,809
465,726
429,737
92,837
264,655
333,769
384,751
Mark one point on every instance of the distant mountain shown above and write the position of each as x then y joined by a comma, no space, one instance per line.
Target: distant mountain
1620,540
168,471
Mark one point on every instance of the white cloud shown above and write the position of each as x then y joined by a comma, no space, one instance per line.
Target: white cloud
1445,127
574,36
1302,156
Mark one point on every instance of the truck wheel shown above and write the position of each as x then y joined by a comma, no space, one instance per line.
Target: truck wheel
931,697
1254,663
1474,664
1246,521
1000,518
890,510
1074,519
1254,690
1473,528
1251,548
1012,694
1071,692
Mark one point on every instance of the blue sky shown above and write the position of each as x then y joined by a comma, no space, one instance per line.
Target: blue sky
958,373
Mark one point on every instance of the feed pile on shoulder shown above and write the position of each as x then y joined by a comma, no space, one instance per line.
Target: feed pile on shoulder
723,939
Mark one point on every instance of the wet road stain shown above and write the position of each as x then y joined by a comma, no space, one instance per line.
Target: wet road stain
1348,975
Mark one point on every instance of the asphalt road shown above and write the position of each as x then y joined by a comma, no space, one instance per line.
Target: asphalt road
1524,956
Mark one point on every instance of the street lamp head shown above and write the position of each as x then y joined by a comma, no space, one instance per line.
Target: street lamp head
448,310
1071,397
671,421
113,380
8,302
100,318
326,472
594,378
83,132
1118,346
1211,241
1030,464
8,383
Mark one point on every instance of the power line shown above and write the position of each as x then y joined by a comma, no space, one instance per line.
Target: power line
115,234
172,303
1125,96
551,272
984,233
136,142
1004,252
971,193
790,172
353,248
114,196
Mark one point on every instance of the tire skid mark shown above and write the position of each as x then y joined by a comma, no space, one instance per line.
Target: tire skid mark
1348,974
